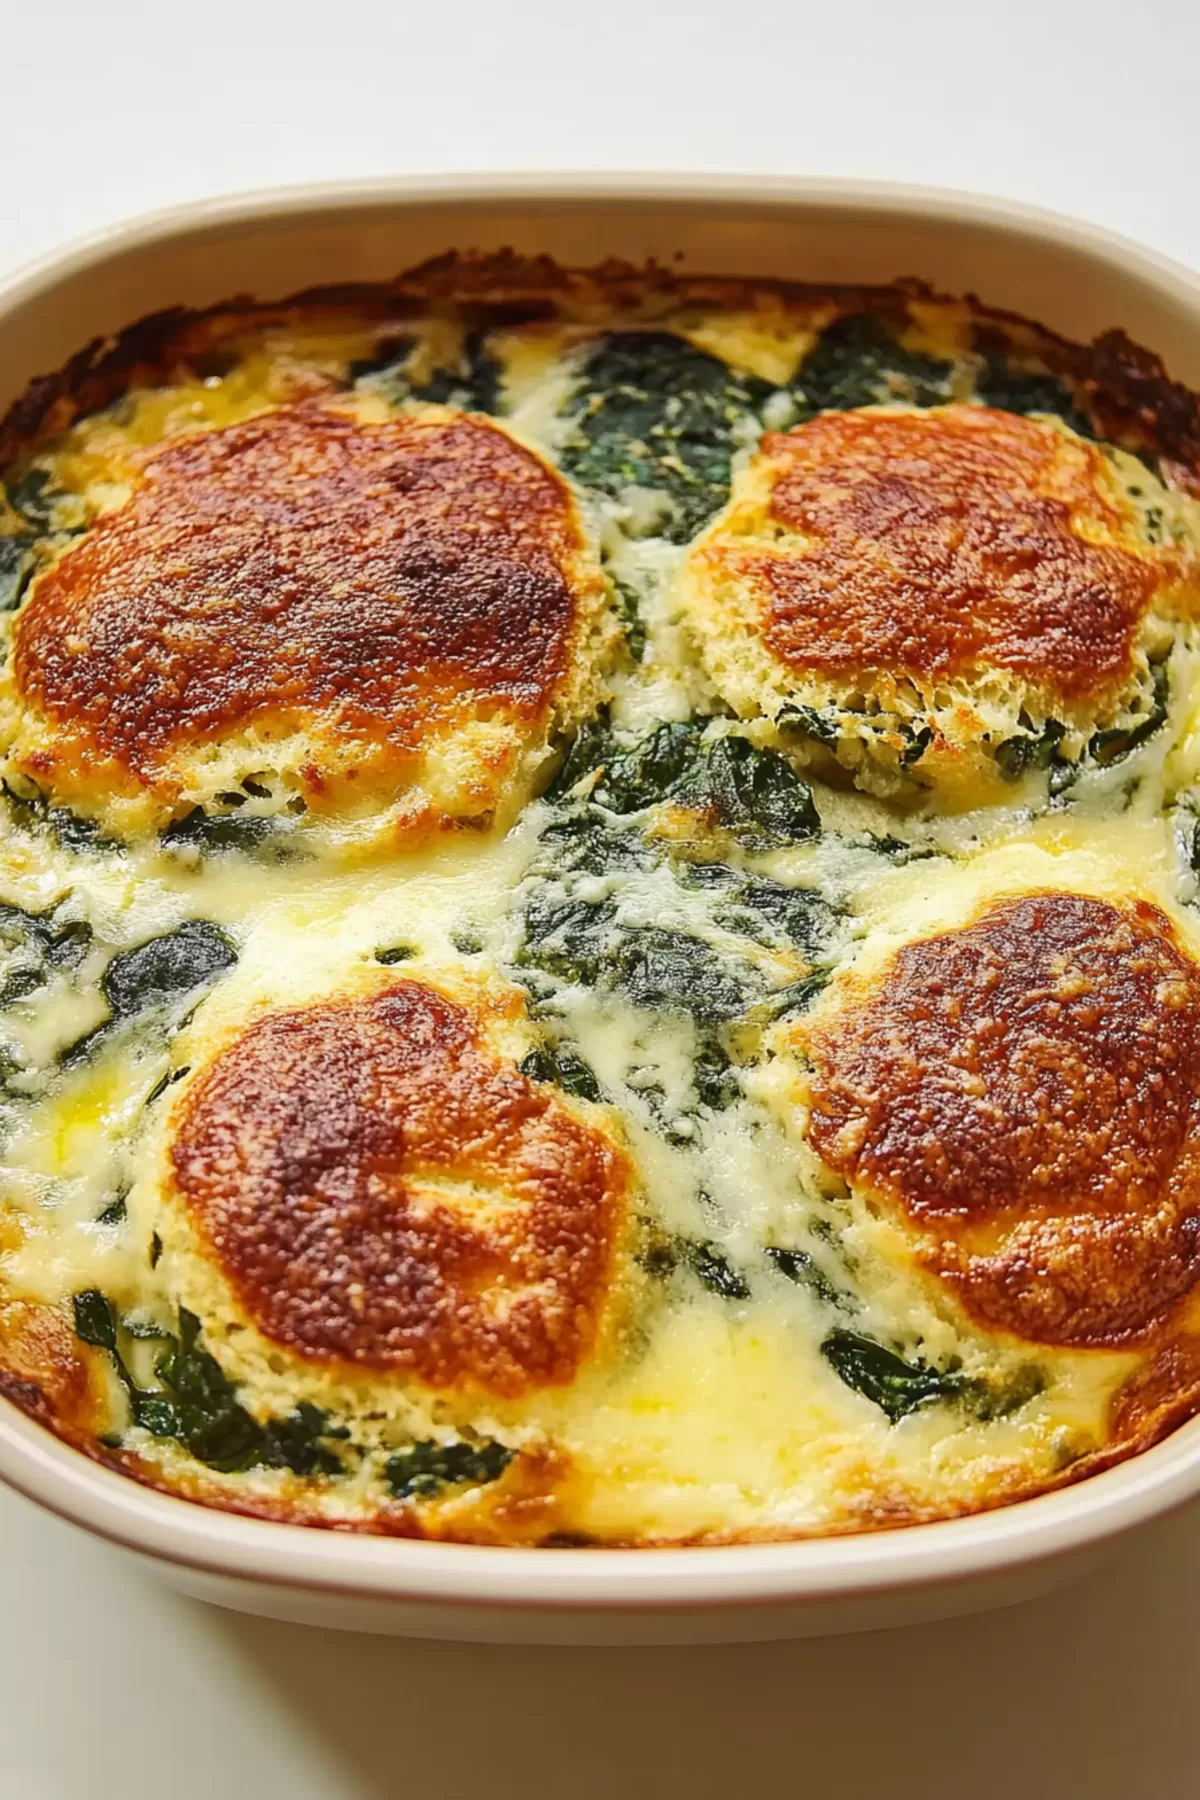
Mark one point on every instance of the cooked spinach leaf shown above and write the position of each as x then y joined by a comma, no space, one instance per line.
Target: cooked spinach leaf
427,1467
35,946
157,978
858,362
198,1404
213,833
17,563
713,1072
798,996
95,1320
656,969
755,795
1016,756
802,1268
389,360
649,771
565,1067
629,614
810,722
900,1386
472,382
711,1267
33,813
33,496
395,953
584,754
1008,387
1107,747
569,939
917,741
797,914
897,1386
165,970
586,842
669,971
658,413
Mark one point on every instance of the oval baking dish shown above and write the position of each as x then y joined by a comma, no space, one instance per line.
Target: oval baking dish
722,956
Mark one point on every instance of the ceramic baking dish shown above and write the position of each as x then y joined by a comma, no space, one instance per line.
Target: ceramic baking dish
1075,279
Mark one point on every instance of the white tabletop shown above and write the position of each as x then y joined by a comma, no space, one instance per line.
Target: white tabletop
113,1690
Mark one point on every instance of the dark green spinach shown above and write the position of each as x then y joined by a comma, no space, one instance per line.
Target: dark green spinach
563,1065
395,953
661,970
1018,756
802,1268
198,1405
426,1467
33,495
472,381
1009,388
37,946
858,362
17,563
156,981
213,834
769,911
629,613
33,813
1112,746
665,1253
754,795
895,1385
166,970
652,411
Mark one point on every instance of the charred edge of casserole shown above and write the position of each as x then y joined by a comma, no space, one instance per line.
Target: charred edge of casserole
1124,386
1150,1426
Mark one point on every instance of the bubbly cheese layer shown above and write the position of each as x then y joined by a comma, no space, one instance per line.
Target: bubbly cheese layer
505,1036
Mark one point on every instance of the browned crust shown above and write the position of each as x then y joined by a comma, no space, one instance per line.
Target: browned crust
523,1507
381,1190
304,569
939,544
43,1370
1026,1091
1120,383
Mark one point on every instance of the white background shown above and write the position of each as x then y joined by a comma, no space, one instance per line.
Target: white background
111,1690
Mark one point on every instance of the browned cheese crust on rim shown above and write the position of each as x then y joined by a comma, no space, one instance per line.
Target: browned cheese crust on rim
1026,1090
379,1189
933,544
372,584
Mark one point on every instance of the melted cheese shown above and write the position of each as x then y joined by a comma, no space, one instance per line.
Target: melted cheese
714,1409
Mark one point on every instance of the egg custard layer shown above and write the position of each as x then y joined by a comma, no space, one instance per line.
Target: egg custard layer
599,930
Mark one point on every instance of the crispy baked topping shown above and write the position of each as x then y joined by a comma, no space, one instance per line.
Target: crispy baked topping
936,543
1026,1091
378,1188
369,586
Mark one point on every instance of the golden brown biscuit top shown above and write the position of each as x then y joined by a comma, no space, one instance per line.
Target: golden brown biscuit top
932,543
1027,1091
378,1188
305,567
